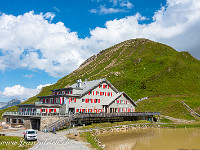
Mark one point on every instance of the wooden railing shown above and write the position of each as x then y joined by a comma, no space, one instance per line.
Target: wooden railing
61,122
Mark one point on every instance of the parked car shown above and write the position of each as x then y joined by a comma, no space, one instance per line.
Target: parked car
30,134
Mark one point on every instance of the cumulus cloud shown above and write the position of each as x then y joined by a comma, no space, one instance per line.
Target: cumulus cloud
20,92
117,6
176,24
103,10
31,41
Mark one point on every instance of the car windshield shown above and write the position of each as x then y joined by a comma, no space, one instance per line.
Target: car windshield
31,132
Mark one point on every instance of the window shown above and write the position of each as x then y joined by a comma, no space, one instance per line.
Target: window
122,101
83,100
63,92
51,100
51,110
73,100
70,92
43,110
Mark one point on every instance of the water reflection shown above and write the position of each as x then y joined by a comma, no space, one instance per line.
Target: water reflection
153,139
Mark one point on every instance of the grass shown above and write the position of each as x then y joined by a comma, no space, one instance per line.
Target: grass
144,68
109,124
171,106
13,143
88,136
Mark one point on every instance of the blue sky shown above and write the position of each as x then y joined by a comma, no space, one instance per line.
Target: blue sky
44,40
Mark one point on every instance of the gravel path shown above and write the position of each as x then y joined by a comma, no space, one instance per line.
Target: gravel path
49,141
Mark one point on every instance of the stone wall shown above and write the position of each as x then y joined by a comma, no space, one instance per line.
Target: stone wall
27,123
45,120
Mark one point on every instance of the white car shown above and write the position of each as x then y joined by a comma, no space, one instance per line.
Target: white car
30,134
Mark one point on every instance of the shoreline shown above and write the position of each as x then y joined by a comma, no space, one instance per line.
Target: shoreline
90,135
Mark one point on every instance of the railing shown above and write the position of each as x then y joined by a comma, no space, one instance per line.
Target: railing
190,109
61,122
121,114
34,114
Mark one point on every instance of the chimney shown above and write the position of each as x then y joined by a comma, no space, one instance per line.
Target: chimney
79,83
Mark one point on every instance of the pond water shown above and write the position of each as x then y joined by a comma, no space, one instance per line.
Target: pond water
153,139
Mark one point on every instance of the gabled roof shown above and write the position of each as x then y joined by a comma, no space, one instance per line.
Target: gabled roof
89,85
110,100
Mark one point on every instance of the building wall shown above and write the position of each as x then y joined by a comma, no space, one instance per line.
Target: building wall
122,104
93,94
44,121
28,108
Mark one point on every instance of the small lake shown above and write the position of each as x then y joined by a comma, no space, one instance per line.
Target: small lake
153,139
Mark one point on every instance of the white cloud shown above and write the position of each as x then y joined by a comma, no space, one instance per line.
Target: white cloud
126,4
31,41
20,92
118,6
177,25
28,75
103,10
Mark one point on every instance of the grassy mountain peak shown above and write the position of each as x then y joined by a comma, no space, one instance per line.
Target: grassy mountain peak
141,68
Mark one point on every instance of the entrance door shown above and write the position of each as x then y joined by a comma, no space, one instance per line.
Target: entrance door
71,110
35,123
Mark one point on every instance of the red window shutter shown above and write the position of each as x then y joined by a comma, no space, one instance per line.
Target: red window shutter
96,92
75,100
46,110
118,109
94,100
91,100
76,110
93,92
89,93
43,100
118,102
49,110
105,93
53,100
54,110
98,100
55,93
108,86
70,92
99,85
67,92
40,110
104,86
111,93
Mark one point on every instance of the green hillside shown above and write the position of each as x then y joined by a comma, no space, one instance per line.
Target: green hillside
141,68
